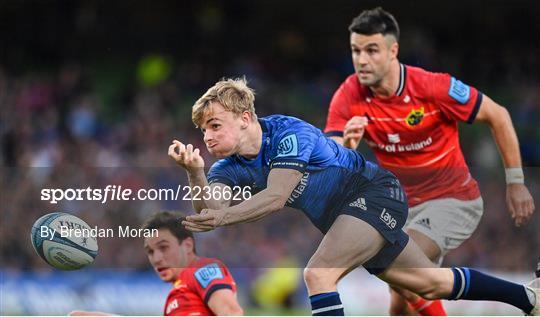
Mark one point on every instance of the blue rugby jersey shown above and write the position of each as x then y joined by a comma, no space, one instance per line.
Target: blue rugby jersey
331,171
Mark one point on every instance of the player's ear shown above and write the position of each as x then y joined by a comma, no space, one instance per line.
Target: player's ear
394,49
246,119
188,244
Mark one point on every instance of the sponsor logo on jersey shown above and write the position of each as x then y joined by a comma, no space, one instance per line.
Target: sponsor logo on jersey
388,220
172,306
393,137
415,117
392,148
359,203
459,91
288,146
297,192
207,274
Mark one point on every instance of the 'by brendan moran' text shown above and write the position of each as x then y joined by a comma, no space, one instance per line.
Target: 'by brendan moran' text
95,232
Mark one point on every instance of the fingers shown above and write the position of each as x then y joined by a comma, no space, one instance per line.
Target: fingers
354,135
511,210
181,150
189,153
172,149
199,218
204,221
524,211
194,228
520,203
532,207
172,152
183,154
354,129
199,223
361,121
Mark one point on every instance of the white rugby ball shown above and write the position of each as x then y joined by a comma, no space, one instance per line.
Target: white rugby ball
62,240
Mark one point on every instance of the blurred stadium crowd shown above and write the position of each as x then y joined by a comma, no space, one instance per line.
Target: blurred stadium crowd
92,94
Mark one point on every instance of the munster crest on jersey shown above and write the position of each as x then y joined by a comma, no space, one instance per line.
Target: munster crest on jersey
415,117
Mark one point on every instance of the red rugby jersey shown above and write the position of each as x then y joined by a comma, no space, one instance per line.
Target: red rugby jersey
194,286
414,133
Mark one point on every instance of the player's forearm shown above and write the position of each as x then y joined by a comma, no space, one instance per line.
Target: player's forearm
506,138
197,179
259,206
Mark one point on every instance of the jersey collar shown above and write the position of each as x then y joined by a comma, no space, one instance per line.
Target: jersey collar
399,91
263,125
402,74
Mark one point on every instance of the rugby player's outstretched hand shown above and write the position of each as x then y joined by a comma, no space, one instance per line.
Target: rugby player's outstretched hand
354,131
186,156
206,220
520,203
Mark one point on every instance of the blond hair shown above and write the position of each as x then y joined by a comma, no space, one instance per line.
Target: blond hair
233,94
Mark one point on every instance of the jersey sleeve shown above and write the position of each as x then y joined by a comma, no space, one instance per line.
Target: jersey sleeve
210,278
222,172
338,113
457,100
294,146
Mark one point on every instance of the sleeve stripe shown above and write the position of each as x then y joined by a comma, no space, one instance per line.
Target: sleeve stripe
334,133
477,104
289,163
214,288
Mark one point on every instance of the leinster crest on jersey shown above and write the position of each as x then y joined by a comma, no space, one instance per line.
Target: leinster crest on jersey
415,117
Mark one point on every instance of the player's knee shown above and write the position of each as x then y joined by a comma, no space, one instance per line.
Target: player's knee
316,277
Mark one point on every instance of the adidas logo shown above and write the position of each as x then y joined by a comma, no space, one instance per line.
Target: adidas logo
424,222
359,203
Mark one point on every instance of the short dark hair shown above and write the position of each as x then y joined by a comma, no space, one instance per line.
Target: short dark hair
374,21
172,221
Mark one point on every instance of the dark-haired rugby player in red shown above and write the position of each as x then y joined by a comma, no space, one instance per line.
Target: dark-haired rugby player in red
200,286
409,117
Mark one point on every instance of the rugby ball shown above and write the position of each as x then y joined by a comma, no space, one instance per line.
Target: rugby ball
64,241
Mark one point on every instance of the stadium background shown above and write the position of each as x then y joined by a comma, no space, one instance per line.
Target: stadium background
92,92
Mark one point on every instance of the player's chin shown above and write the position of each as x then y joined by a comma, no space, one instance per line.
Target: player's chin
167,275
218,153
366,80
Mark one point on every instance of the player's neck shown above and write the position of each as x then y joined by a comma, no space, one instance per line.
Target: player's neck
191,259
388,86
252,143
